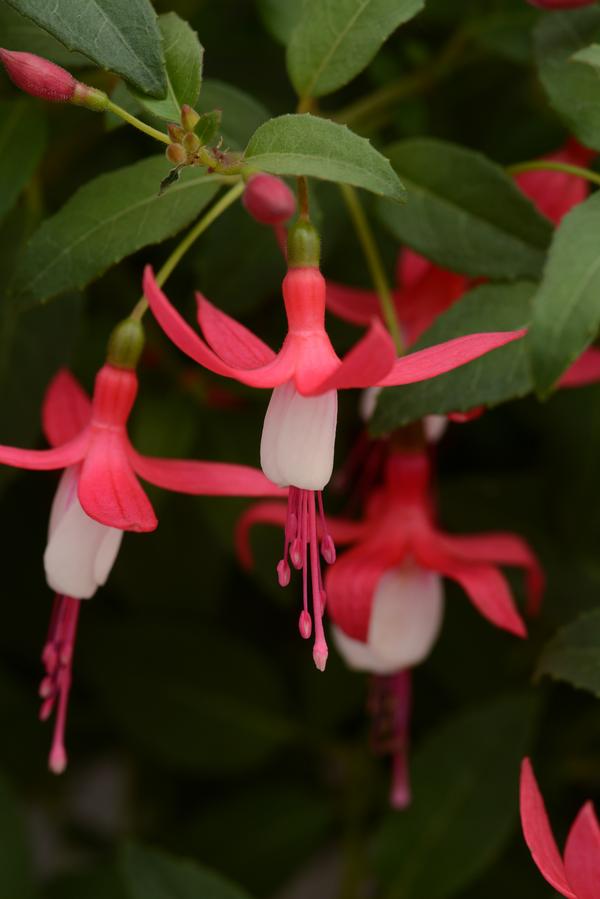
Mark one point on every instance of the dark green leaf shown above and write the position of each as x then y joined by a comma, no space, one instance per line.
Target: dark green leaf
148,874
573,88
20,33
183,60
464,212
22,141
15,865
465,796
574,654
107,219
495,378
280,17
195,699
242,114
566,308
335,40
307,145
121,37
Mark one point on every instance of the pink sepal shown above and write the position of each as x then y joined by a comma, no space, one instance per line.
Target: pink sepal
444,357
108,490
582,855
48,459
555,193
585,370
538,834
501,549
231,341
204,478
66,409
352,304
365,364
485,585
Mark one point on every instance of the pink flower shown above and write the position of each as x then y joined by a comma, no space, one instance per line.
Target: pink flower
560,4
577,875
385,595
38,77
268,199
556,193
298,438
98,498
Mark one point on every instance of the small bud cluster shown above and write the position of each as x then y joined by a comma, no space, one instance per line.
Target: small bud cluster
189,144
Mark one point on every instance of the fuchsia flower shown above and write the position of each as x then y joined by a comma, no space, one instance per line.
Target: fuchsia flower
98,498
298,438
577,875
385,596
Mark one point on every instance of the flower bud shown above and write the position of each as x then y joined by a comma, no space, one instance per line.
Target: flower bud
176,133
189,117
38,77
268,199
191,142
176,154
126,344
560,4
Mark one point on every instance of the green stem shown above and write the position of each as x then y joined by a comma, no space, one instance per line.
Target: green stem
407,86
303,202
541,165
374,263
137,123
181,249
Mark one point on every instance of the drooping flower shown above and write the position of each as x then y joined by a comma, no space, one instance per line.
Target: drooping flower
298,438
385,595
577,873
98,498
44,79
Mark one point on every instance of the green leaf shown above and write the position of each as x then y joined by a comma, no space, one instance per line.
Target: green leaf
336,39
280,17
589,55
106,220
183,55
574,654
494,378
242,114
566,309
20,33
121,37
148,874
573,88
176,709
15,864
307,145
464,809
22,142
464,213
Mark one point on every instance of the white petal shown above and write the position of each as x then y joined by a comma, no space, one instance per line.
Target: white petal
435,427
407,614
368,402
298,438
66,492
359,656
80,551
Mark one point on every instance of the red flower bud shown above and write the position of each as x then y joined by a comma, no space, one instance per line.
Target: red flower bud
38,77
268,199
560,4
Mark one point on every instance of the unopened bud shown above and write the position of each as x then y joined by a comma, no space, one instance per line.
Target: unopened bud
268,199
191,142
176,133
126,344
38,77
189,117
176,154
